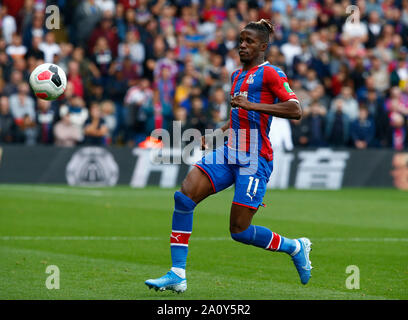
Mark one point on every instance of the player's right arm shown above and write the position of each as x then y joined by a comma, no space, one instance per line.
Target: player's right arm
276,83
287,109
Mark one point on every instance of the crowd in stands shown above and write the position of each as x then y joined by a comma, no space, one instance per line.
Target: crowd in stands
136,65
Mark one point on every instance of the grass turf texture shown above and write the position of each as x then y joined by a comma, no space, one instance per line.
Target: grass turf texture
108,241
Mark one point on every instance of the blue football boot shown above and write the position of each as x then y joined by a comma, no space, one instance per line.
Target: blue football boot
170,281
301,260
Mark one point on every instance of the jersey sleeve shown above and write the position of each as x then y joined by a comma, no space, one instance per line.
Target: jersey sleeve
277,83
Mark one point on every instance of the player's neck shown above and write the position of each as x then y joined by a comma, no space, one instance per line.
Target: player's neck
254,63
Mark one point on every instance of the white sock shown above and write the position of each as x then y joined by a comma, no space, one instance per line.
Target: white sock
179,271
297,248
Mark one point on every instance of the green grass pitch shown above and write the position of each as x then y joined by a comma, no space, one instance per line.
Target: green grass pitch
107,241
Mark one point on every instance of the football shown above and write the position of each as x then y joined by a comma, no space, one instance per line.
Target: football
48,81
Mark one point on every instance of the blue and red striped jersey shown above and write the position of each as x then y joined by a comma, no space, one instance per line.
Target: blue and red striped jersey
261,84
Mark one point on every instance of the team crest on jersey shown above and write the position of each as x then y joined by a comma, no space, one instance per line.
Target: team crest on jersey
251,78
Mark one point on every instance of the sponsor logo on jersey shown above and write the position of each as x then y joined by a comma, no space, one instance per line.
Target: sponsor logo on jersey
241,93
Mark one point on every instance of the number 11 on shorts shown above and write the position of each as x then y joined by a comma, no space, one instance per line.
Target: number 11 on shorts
251,180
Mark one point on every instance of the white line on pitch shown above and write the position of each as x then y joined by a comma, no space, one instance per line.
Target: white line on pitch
56,190
141,238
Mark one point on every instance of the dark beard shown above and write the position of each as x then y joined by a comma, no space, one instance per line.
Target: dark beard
245,60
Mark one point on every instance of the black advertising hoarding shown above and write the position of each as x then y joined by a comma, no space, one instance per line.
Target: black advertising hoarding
322,168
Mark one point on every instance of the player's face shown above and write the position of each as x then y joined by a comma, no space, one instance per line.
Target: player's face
249,45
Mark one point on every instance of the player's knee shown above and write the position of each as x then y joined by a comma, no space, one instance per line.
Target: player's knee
185,190
237,228
245,236
239,224
183,201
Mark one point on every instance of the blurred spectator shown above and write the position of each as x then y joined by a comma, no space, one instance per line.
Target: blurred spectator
183,90
86,67
33,27
109,117
280,134
376,108
7,23
380,75
180,115
21,104
311,80
23,112
218,102
49,48
362,130
65,56
300,132
77,111
133,48
96,91
265,11
45,118
66,133
291,49
6,65
163,112
16,50
12,87
166,86
35,49
399,76
397,101
399,130
102,57
106,31
197,118
75,79
6,121
349,104
373,27
315,122
86,16
303,95
319,95
137,101
337,126
95,128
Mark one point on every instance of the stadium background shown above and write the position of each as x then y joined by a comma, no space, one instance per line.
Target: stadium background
137,65
146,63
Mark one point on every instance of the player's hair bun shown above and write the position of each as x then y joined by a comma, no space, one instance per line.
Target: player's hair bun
264,28
268,25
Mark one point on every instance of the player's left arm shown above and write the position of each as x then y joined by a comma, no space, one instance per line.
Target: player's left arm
288,108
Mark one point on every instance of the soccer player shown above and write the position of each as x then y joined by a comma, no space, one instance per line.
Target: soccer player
259,91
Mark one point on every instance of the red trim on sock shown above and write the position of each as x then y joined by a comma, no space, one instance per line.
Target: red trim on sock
275,243
244,205
207,174
179,238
